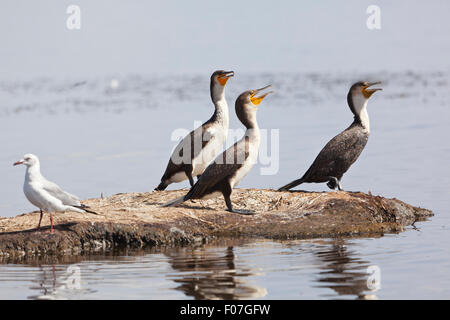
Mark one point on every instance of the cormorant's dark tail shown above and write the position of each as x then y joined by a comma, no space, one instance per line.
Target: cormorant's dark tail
182,199
291,185
174,202
84,207
162,186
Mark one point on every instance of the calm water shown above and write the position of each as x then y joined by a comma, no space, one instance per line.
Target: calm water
113,134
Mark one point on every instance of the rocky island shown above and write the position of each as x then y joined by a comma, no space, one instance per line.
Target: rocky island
136,220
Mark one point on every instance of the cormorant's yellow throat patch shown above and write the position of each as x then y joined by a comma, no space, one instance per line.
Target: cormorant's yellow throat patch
368,92
223,79
257,100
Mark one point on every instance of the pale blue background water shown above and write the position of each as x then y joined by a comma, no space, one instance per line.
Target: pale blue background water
56,101
93,139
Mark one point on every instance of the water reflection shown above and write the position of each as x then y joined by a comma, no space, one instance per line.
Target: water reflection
234,269
343,271
203,273
45,283
57,283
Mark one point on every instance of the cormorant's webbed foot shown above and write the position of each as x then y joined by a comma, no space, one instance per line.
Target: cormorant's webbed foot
244,212
230,208
334,183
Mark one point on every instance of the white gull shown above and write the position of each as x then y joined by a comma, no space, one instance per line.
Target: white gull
47,195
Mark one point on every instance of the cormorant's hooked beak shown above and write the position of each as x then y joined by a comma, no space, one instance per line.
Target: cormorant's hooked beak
257,99
223,78
368,92
18,162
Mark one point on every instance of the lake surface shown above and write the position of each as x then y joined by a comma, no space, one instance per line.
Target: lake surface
112,134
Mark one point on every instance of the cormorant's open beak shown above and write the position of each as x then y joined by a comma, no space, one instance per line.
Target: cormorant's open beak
18,162
257,99
368,92
223,78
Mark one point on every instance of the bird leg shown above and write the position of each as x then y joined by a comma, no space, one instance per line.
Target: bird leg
188,170
191,180
334,183
40,219
51,222
230,206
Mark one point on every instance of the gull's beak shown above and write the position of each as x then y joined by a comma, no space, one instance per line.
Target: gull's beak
223,78
18,162
368,92
257,99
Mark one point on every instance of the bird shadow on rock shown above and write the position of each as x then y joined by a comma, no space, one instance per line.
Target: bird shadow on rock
153,203
185,206
326,191
59,227
196,207
305,191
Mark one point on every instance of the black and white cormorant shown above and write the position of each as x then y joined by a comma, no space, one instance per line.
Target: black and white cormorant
193,154
342,151
229,168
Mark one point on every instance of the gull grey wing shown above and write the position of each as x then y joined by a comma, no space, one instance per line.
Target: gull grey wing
65,197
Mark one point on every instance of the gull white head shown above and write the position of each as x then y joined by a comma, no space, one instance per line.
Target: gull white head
357,98
28,160
218,81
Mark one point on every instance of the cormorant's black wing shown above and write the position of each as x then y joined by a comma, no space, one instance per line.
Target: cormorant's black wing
221,170
193,143
337,155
